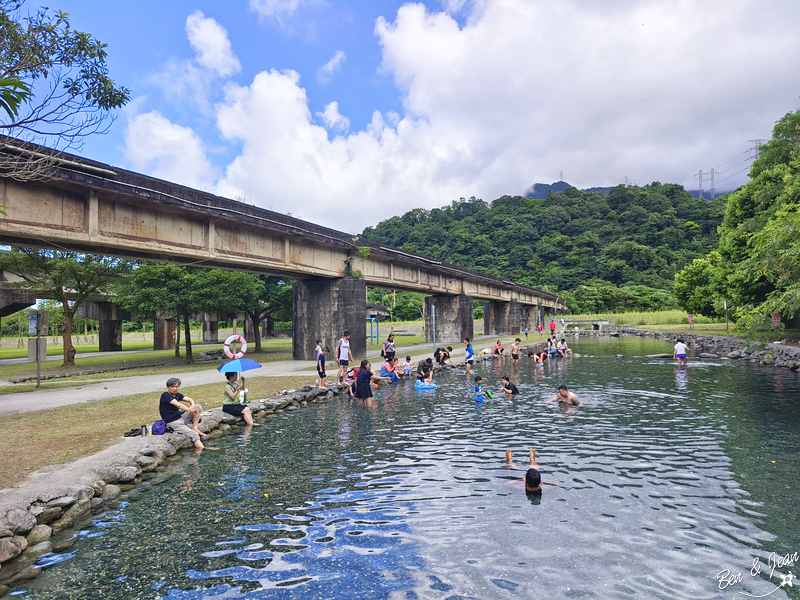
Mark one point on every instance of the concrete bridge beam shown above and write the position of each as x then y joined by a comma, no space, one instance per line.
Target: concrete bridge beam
453,318
324,309
13,300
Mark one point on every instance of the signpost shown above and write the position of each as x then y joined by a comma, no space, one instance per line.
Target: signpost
726,316
691,322
776,324
38,322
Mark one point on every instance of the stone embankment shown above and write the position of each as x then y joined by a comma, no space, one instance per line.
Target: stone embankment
715,346
35,518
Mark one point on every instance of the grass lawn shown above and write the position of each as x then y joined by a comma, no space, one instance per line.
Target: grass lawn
124,365
31,441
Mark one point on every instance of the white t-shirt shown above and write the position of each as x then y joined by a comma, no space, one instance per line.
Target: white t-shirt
344,349
680,348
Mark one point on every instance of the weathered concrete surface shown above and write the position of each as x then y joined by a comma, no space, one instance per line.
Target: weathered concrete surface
89,206
454,321
324,309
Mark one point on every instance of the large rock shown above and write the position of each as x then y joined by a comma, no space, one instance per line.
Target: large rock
128,473
111,491
48,515
76,512
61,502
39,534
11,547
81,492
148,463
109,474
20,521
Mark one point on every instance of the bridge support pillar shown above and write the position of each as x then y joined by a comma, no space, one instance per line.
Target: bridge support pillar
496,318
324,309
110,317
249,333
453,318
210,328
164,334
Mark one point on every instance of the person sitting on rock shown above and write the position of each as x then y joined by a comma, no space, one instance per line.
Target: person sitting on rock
171,406
230,401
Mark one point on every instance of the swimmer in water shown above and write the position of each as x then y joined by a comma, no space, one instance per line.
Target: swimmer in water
566,397
533,478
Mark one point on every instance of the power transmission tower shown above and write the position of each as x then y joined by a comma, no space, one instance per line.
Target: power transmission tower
701,179
700,184
754,153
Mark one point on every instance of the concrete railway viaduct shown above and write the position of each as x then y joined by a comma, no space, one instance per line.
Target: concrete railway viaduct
86,206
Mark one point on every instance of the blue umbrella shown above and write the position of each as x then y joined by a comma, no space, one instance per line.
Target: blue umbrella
240,365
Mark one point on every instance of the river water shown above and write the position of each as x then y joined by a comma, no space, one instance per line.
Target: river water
665,478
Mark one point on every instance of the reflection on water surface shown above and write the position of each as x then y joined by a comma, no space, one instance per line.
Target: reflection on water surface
665,478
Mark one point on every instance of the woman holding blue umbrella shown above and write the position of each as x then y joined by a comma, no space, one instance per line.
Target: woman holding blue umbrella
230,401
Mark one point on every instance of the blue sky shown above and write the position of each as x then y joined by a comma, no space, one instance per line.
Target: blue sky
423,103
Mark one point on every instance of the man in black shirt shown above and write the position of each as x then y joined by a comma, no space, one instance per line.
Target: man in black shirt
170,407
508,387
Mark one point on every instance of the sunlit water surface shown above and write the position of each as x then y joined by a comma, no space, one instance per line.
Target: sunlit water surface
665,478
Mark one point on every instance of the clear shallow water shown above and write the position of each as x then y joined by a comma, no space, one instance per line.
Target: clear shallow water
664,478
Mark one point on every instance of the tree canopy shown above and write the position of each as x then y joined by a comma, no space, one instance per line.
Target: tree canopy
755,267
69,278
577,243
55,88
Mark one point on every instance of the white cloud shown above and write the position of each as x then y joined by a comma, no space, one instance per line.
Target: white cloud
274,8
652,91
334,64
160,148
214,58
211,44
332,118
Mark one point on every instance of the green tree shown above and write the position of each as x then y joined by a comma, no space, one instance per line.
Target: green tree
69,278
156,290
262,297
54,81
698,287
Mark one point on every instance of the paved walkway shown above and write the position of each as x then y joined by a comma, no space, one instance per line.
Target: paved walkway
25,402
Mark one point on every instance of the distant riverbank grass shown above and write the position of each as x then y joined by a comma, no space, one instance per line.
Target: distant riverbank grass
79,430
657,318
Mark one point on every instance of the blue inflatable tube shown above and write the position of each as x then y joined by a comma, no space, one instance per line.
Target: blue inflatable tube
424,385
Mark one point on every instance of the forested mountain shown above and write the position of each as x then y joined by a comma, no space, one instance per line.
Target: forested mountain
599,248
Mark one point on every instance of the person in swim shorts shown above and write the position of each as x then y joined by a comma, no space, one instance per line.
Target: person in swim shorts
680,352
344,356
469,356
515,351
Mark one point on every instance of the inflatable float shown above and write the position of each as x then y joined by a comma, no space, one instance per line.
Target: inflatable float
424,385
